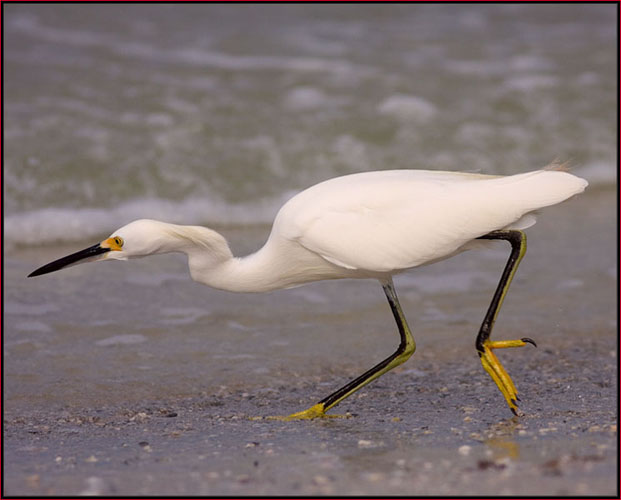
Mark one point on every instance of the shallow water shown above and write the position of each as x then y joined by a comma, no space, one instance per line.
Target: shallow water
130,379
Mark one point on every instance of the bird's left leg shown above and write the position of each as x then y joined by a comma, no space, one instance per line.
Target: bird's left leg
406,348
484,345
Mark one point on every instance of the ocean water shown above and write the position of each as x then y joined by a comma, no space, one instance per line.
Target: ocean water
216,114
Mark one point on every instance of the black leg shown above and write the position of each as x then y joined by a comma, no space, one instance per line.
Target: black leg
406,348
483,343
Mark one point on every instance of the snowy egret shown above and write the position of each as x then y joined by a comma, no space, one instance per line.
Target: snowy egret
366,225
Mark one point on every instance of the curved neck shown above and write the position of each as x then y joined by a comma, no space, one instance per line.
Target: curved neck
278,264
212,263
254,273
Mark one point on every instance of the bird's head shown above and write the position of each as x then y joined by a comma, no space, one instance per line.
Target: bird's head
136,239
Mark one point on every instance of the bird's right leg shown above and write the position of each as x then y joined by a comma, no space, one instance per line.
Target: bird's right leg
484,345
406,348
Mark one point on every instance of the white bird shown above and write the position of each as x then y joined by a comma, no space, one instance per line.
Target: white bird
366,225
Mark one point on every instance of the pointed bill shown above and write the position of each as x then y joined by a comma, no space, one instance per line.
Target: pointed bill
87,255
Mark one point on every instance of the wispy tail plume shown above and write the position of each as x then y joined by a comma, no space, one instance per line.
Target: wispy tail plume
559,166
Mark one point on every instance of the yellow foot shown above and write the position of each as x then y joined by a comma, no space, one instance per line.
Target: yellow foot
316,411
499,375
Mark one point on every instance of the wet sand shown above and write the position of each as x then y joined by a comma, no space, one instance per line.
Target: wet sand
129,379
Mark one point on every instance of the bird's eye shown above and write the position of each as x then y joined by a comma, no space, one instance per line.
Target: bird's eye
118,240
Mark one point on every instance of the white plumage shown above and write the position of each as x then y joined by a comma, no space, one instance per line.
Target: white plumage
393,220
368,225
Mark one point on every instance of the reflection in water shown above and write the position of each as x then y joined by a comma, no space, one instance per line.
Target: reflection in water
499,442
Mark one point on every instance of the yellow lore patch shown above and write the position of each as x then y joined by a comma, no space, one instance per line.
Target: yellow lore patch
114,243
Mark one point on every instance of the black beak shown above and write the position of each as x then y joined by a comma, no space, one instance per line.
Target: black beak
74,258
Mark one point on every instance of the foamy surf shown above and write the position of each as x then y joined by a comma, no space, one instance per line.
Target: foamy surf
66,225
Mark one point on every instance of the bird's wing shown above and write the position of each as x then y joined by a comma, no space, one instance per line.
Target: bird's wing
396,220
380,240
383,225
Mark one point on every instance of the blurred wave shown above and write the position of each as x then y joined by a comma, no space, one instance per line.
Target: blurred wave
216,114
